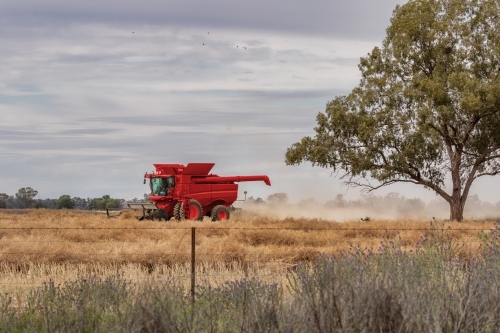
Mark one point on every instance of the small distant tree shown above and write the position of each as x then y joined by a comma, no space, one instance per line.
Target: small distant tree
39,205
46,203
3,200
105,202
114,203
339,201
278,198
145,198
253,200
26,195
80,203
65,202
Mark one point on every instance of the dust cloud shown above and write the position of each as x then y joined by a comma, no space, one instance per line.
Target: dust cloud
369,207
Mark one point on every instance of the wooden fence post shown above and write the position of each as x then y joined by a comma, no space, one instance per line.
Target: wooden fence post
193,260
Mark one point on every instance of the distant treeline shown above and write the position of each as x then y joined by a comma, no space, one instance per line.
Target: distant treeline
26,197
76,203
392,203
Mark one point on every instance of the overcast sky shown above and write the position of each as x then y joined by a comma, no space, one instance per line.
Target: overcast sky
92,93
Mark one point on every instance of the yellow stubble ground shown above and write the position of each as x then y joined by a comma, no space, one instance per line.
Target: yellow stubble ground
62,245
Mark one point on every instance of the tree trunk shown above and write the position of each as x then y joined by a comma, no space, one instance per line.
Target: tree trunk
456,210
456,207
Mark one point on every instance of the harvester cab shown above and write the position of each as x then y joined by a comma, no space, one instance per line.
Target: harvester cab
190,192
162,186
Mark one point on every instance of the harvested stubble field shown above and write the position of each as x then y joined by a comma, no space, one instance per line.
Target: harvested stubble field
62,245
63,271
77,237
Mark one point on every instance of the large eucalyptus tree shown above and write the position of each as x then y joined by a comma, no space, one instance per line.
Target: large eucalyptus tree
427,108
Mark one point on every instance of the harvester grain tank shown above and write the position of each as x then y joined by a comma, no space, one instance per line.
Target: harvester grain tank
190,192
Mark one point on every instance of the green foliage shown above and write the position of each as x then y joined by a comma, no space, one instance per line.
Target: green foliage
437,243
65,202
89,304
427,106
3,200
39,205
26,195
105,202
247,305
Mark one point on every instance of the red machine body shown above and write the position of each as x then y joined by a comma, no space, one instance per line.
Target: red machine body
192,192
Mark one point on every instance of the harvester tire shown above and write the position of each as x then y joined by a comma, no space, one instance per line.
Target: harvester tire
195,211
220,213
178,213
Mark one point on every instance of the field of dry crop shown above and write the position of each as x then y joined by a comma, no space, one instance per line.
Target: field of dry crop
61,245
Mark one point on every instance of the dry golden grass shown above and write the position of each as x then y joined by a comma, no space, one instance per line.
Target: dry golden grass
46,236
62,245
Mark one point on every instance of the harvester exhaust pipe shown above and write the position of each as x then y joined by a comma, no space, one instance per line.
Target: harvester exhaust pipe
245,193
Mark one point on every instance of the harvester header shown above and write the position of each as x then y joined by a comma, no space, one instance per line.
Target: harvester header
191,192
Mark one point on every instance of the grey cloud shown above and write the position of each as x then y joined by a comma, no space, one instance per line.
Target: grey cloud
9,134
106,57
87,131
26,98
206,120
345,61
266,95
360,19
339,61
81,59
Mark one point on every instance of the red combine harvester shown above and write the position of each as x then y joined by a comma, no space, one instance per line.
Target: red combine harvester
190,192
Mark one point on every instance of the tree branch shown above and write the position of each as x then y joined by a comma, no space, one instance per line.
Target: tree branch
493,173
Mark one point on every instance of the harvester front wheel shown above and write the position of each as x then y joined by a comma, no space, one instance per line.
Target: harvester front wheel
178,213
220,213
